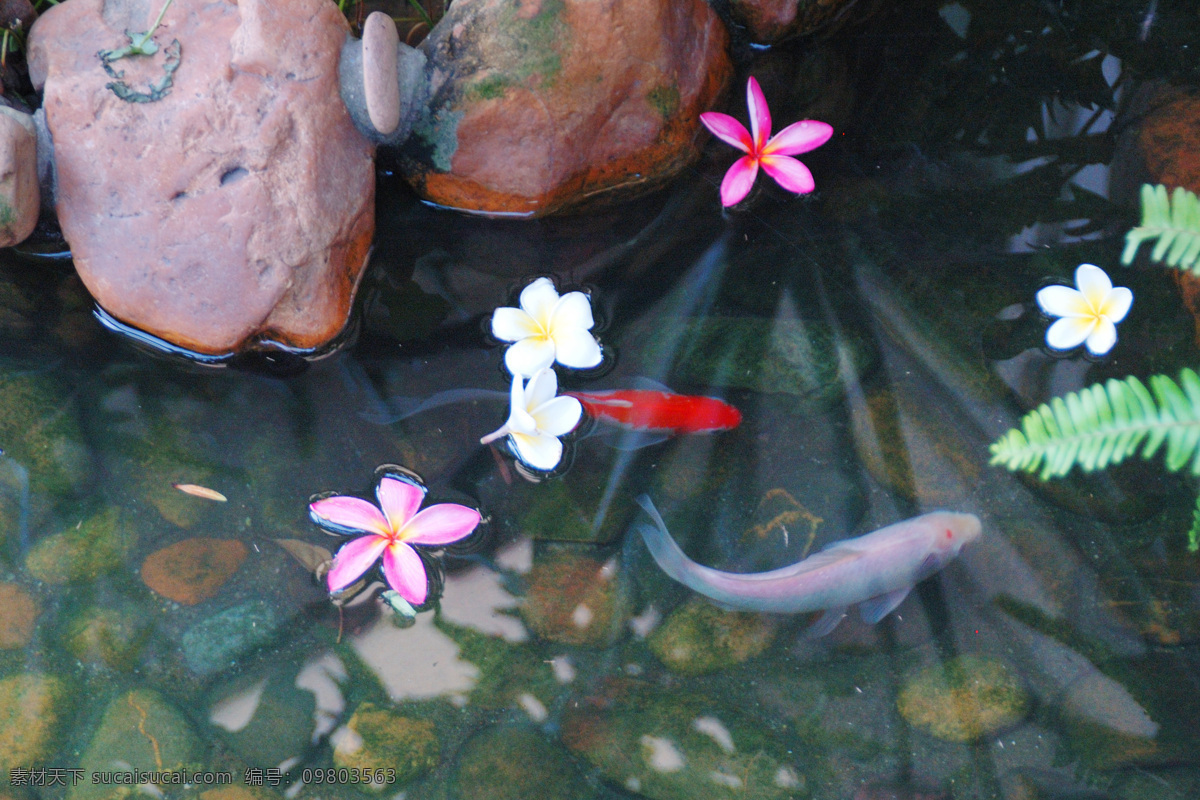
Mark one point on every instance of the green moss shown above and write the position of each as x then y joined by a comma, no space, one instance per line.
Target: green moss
698,638
30,705
83,552
385,740
490,88
963,700
510,763
105,636
439,132
664,100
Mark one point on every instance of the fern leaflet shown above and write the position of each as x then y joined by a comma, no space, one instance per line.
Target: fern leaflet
1106,423
1175,222
1194,531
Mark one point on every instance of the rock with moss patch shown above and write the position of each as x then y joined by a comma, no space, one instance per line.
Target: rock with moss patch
668,746
83,552
698,638
41,434
18,616
516,763
140,731
576,596
378,739
106,635
543,104
32,706
216,642
963,700
280,723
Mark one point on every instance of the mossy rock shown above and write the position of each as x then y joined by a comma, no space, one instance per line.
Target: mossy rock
964,700
31,710
109,636
515,763
577,596
378,739
80,554
698,638
42,434
215,643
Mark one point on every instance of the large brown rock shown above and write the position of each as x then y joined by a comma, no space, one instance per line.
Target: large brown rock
237,209
539,105
772,21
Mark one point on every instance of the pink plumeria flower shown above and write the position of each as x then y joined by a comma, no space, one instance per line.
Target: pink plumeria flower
391,529
773,153
1089,313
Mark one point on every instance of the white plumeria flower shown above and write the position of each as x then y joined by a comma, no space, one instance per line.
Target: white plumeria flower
547,328
536,419
1089,314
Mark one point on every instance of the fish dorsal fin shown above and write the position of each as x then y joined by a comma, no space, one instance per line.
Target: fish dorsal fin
880,606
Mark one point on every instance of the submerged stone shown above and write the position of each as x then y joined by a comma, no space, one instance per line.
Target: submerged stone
32,706
668,746
193,570
698,638
379,739
83,552
516,763
18,616
577,597
964,700
235,209
218,641
139,731
265,720
544,104
109,636
41,434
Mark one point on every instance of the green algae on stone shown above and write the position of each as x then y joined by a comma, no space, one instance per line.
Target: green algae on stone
31,709
138,731
576,596
83,552
378,739
664,100
515,763
40,432
698,638
215,643
780,356
668,746
507,670
964,700
281,725
109,636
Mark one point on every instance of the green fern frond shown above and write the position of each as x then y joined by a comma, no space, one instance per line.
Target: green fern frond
1105,424
1175,222
1194,531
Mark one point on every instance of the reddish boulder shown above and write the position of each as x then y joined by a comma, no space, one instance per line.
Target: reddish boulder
236,210
1169,139
538,105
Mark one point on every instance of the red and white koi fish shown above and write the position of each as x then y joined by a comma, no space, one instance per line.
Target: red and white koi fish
875,571
655,411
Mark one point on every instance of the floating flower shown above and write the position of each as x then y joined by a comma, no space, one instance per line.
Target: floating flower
547,328
391,530
537,418
773,153
1089,314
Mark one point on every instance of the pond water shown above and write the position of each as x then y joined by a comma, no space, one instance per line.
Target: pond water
876,336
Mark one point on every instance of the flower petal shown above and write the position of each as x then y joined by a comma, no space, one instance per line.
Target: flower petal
538,300
558,416
405,573
440,524
573,311
349,514
760,115
513,324
1070,332
521,421
789,173
1093,282
728,130
355,558
577,349
799,137
541,388
1103,338
541,451
399,500
738,181
529,355
1117,305
1063,301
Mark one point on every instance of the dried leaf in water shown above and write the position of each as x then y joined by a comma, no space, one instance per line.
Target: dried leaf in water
200,491
311,556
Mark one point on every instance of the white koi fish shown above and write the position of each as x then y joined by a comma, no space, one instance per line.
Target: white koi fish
875,571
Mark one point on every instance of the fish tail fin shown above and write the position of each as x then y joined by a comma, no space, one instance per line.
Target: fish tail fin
670,558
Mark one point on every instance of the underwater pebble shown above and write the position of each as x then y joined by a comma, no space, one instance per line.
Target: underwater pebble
515,763
109,636
142,731
194,569
214,643
375,738
267,719
82,553
32,706
963,700
18,617
698,638
381,82
576,597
